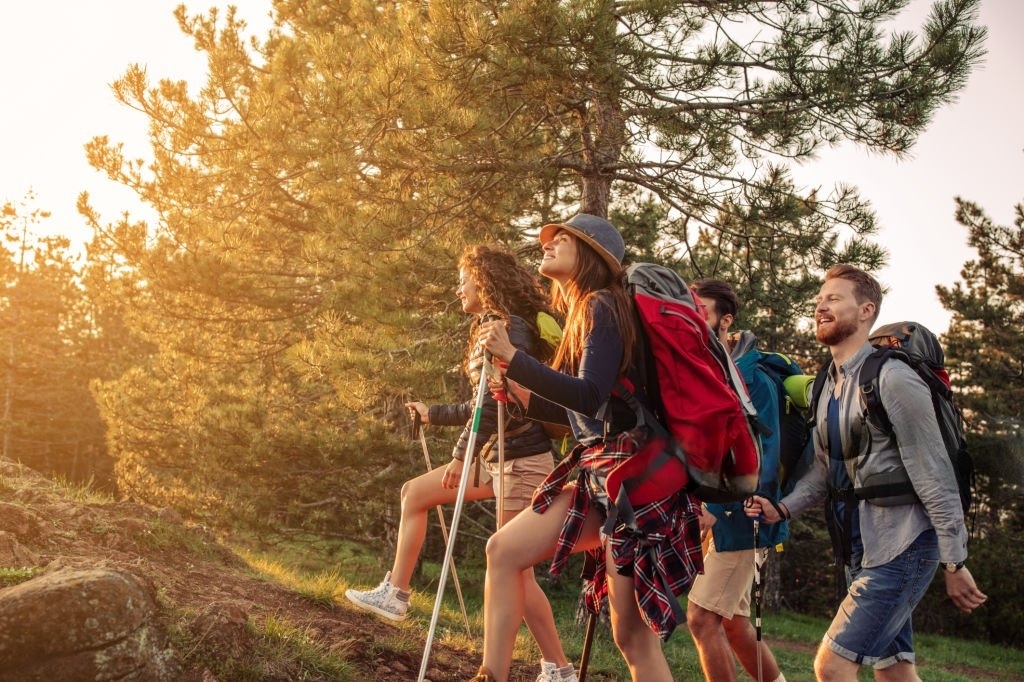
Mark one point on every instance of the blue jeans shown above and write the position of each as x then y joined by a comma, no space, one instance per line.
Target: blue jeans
873,626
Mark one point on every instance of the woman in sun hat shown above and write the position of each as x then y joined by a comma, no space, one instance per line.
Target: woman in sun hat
583,258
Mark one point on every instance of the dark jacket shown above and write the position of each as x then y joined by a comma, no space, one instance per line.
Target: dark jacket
523,438
576,399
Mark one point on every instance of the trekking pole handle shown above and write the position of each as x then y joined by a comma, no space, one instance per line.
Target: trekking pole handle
493,373
417,423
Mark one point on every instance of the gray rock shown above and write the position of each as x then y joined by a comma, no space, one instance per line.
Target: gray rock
73,625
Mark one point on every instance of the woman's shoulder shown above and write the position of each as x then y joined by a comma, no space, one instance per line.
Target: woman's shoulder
521,333
600,298
601,305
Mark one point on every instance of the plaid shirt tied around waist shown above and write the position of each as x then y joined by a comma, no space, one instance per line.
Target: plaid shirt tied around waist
662,552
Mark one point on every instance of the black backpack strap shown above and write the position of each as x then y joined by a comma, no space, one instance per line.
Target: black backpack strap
816,388
871,395
623,390
869,389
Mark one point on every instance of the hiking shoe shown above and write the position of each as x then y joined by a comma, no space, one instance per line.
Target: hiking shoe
550,672
382,600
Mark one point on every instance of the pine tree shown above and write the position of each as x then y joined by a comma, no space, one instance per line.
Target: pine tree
314,193
692,108
287,320
50,421
984,344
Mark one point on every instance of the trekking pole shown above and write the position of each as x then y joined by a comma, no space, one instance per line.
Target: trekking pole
757,599
589,569
588,641
500,398
418,430
501,463
467,462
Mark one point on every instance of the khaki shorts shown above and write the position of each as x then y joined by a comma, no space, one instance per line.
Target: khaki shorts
523,475
724,587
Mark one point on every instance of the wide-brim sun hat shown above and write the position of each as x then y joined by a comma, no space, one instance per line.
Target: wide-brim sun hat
596,232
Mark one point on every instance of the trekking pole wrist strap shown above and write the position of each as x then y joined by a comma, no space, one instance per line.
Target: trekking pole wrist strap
780,509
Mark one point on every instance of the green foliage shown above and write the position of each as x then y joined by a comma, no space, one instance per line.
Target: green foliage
313,196
985,345
984,348
84,492
792,636
49,419
806,568
999,572
10,576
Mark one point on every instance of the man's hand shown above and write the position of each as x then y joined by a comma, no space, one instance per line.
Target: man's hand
961,589
761,508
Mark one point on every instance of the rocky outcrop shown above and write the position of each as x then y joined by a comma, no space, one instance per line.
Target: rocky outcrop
73,625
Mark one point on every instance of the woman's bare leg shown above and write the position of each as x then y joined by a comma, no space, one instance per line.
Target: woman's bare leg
639,645
538,615
419,496
541,621
526,540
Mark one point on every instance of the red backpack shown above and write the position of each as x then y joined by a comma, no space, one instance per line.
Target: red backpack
703,423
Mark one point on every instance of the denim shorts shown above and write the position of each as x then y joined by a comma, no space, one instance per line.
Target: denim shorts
873,626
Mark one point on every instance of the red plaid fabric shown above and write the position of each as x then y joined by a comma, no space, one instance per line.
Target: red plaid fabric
663,554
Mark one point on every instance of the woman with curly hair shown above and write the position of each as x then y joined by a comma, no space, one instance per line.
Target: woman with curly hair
492,285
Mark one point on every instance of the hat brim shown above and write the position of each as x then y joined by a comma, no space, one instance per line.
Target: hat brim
547,233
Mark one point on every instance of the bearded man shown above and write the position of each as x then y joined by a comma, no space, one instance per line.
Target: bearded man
891,547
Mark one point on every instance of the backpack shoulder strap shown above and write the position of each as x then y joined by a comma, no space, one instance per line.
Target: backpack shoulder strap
869,386
816,388
779,364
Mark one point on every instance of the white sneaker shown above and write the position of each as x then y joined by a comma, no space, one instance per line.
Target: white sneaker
382,600
549,672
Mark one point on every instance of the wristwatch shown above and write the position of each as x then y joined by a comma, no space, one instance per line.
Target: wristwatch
950,567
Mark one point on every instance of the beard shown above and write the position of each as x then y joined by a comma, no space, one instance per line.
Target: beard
837,332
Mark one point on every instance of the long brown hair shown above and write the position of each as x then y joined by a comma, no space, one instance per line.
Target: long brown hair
591,280
505,288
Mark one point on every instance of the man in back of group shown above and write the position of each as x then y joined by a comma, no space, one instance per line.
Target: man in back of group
891,548
718,608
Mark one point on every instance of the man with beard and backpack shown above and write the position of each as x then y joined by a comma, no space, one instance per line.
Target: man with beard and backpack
718,606
892,547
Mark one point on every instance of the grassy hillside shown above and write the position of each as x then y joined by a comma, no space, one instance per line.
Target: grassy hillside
793,637
240,608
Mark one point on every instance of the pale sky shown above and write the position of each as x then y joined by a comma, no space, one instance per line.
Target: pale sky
59,58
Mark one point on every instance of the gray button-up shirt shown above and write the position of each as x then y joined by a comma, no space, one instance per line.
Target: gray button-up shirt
917,447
